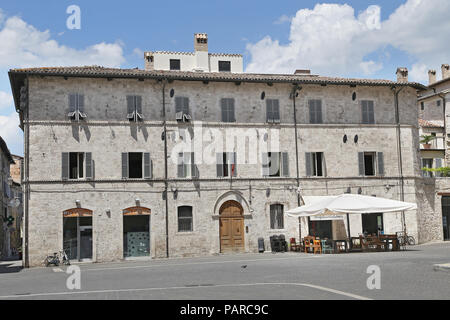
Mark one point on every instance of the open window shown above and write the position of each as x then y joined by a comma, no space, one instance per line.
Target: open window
186,167
315,164
77,165
134,108
371,163
182,109
226,164
136,165
275,164
76,107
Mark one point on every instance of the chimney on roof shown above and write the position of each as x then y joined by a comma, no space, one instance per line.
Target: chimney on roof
402,74
431,77
303,72
200,42
445,71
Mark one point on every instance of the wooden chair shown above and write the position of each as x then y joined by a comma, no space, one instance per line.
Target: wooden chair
308,244
294,246
317,246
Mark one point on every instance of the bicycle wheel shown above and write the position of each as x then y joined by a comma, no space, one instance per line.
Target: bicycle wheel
401,241
411,241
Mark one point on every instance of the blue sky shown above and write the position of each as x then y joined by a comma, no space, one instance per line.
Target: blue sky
339,38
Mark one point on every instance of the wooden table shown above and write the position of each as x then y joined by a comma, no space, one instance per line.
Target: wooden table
338,244
390,239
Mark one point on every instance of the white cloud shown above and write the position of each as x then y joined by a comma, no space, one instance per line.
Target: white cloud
6,100
331,40
283,19
25,46
138,52
11,133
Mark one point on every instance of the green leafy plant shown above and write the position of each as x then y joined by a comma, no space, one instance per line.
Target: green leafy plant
444,171
426,139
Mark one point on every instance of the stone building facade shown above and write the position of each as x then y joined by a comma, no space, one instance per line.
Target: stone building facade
104,178
5,198
433,106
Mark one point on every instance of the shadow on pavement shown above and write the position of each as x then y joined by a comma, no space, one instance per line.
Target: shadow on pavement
10,266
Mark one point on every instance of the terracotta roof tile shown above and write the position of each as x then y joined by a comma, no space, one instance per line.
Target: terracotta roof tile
431,123
97,71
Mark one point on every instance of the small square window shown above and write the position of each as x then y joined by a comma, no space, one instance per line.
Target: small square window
175,64
438,103
224,66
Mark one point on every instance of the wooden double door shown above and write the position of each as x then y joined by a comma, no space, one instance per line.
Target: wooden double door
231,227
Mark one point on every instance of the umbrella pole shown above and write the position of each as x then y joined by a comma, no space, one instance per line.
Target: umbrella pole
348,230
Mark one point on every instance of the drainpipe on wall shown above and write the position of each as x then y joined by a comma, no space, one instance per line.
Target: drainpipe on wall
27,178
399,151
166,186
294,93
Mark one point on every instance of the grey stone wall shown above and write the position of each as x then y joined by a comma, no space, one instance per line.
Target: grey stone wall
107,133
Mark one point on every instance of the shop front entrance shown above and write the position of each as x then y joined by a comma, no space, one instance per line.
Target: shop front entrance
231,227
136,232
77,234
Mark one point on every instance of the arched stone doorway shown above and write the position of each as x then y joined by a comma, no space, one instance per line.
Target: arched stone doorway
231,227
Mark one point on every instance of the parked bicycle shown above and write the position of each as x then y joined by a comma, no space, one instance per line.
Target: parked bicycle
57,258
405,239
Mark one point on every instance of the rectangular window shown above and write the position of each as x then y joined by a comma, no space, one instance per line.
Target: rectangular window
185,219
175,64
315,164
367,163
315,111
438,103
77,165
427,163
275,164
367,110
276,216
136,165
273,110
134,108
186,167
224,66
182,109
422,106
226,164
227,105
76,107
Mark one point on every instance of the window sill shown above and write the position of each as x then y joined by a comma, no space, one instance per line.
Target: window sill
186,233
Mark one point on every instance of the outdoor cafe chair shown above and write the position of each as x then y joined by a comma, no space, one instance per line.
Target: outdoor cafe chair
317,247
326,247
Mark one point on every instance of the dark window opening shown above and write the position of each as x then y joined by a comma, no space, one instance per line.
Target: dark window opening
224,66
422,106
372,223
226,164
76,165
274,164
276,216
438,103
369,164
175,64
135,165
185,219
322,229
317,163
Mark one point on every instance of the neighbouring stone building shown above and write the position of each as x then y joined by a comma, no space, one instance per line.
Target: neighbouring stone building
5,197
16,208
127,162
433,105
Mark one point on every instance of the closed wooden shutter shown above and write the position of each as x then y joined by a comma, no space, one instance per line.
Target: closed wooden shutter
380,163
312,111
276,110
139,104
89,166
219,164
124,165
194,171
147,166
370,112
308,164
269,111
285,164
180,166
81,103
364,112
361,163
318,111
65,165
72,102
